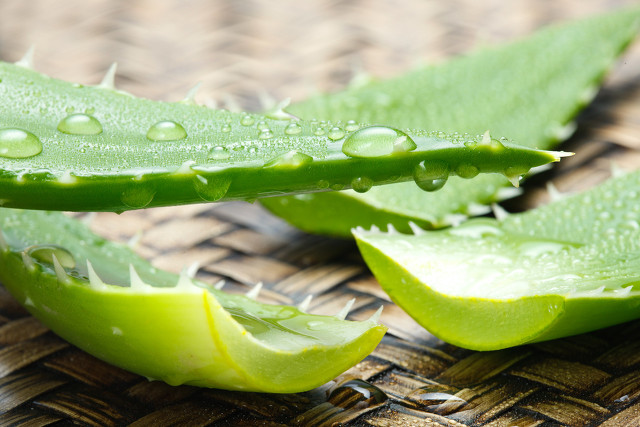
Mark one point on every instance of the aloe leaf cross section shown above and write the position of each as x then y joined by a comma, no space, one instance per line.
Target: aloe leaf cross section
563,269
109,302
66,146
529,90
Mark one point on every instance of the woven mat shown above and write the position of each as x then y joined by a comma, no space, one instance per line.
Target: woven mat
242,51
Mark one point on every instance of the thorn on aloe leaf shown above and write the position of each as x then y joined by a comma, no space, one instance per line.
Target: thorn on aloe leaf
342,314
27,261
94,280
27,60
304,305
135,239
255,291
616,170
136,282
278,113
625,291
190,97
108,81
391,229
554,194
184,281
375,317
192,269
499,212
61,274
417,230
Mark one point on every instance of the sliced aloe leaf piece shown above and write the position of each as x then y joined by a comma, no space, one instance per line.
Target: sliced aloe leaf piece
109,302
562,269
65,146
529,90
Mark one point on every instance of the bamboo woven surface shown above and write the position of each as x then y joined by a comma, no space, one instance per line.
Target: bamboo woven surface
242,50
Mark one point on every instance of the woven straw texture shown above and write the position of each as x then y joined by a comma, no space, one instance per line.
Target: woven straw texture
242,51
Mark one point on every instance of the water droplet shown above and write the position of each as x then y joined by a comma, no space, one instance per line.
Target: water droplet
432,184
166,130
90,110
137,197
219,153
431,175
226,128
44,253
247,120
467,171
293,129
362,184
292,159
69,109
265,134
357,394
80,124
318,132
323,184
211,189
335,133
262,125
351,126
18,143
374,141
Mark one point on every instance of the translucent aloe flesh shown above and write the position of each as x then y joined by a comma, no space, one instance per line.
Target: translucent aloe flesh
529,90
65,146
562,269
104,299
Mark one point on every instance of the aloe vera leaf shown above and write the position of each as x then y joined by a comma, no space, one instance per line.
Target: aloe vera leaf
166,326
74,147
529,90
558,270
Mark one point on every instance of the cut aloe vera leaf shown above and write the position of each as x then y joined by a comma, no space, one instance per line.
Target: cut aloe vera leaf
529,90
74,147
109,302
562,269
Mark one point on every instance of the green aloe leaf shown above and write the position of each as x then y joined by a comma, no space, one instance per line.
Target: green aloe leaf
529,90
104,299
65,146
566,268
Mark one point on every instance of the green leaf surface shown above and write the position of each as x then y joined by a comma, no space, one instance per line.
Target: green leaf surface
566,268
65,146
529,90
165,326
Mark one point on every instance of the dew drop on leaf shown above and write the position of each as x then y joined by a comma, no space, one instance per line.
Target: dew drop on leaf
166,130
80,124
362,184
291,159
211,189
374,141
467,171
137,198
219,153
247,120
18,143
293,129
44,253
351,126
335,133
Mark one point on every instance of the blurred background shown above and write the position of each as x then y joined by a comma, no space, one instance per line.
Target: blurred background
245,51
246,48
